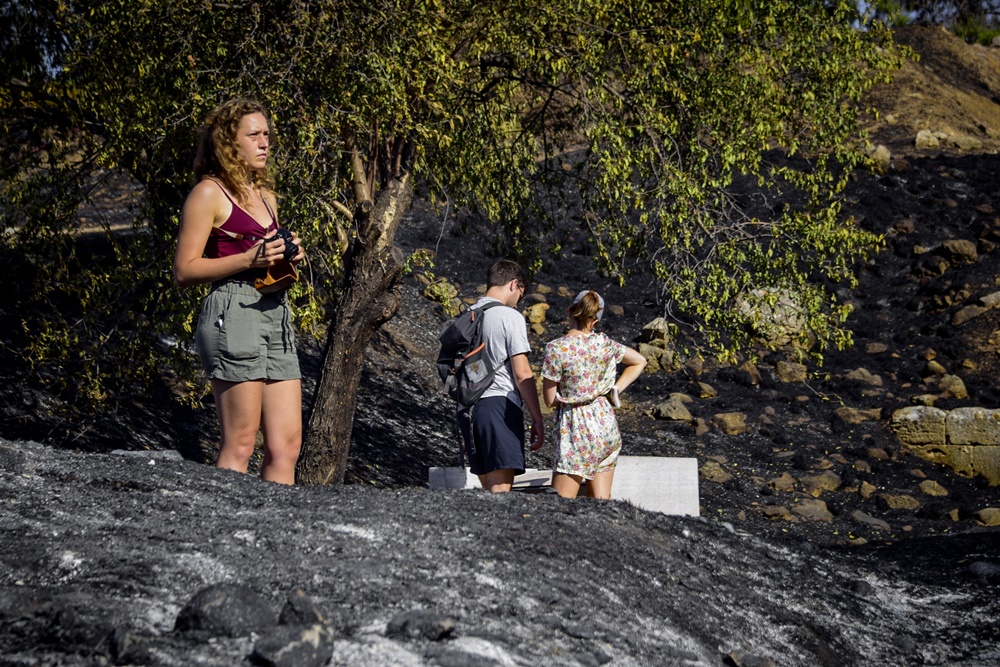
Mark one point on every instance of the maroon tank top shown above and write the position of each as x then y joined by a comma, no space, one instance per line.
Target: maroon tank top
239,232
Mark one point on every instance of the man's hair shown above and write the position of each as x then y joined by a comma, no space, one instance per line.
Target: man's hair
503,271
217,148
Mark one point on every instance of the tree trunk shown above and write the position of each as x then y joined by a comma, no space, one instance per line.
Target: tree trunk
372,297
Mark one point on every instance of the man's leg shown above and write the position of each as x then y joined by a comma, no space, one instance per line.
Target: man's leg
497,481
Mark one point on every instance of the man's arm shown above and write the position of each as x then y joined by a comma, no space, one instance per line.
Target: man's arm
525,381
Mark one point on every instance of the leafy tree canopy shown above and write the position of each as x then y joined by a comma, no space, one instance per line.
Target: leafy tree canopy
641,116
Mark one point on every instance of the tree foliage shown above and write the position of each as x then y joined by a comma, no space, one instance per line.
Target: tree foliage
645,122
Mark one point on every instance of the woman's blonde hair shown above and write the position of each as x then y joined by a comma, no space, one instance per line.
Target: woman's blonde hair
218,156
587,307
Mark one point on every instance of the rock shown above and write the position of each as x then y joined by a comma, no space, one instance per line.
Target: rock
752,372
960,251
967,313
713,472
919,425
706,390
777,512
862,466
301,610
680,397
813,510
863,376
926,140
775,315
543,289
420,623
744,659
565,292
952,385
867,490
878,454
984,570
784,483
226,610
673,410
657,358
989,516
658,332
934,368
868,520
294,646
966,143
788,371
973,426
918,473
932,488
700,426
536,312
991,300
856,416
901,502
616,310
876,348
881,156
817,484
730,423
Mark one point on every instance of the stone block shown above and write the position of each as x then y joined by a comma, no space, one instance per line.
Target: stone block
730,423
956,457
973,426
986,462
919,425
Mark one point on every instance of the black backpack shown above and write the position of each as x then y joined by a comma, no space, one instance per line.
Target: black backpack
462,361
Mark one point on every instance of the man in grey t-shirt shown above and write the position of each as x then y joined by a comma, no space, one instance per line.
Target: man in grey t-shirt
493,429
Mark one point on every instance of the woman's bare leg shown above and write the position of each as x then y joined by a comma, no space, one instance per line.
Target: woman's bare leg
600,486
282,421
238,407
565,485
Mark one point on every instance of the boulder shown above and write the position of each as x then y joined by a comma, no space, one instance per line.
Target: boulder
813,510
775,315
712,472
926,140
856,416
817,484
989,516
869,520
672,410
901,502
960,251
788,371
919,425
973,426
730,423
931,488
952,385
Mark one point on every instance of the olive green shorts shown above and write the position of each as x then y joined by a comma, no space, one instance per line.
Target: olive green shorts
245,335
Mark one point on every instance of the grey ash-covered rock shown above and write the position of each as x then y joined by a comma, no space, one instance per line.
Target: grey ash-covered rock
108,559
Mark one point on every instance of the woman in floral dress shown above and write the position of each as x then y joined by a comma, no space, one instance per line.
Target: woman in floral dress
578,377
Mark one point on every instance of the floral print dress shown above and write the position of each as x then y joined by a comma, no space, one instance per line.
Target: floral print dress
584,367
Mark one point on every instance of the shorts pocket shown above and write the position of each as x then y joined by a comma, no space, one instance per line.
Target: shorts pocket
239,327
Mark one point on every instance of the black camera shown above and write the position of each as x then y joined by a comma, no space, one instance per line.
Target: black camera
291,249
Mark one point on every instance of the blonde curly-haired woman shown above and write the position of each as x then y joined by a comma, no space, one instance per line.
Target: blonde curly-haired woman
244,337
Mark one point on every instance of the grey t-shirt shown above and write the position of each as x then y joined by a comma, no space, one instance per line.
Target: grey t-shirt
506,335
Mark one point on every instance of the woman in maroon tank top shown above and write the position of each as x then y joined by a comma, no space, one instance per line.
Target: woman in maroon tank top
244,338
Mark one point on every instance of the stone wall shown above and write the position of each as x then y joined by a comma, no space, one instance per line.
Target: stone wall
965,439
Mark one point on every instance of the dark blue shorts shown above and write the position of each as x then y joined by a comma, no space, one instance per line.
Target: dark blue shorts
494,440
